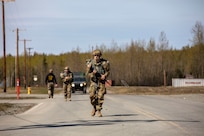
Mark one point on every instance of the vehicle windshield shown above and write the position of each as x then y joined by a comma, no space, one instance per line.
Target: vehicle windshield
79,79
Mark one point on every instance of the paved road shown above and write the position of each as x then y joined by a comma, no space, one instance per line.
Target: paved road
123,115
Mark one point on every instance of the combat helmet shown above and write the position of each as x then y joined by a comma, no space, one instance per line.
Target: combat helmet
97,52
66,68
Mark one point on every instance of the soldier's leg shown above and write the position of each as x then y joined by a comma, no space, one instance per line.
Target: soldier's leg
49,90
92,92
101,93
69,91
65,91
92,95
52,90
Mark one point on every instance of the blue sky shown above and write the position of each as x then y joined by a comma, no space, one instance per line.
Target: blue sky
59,26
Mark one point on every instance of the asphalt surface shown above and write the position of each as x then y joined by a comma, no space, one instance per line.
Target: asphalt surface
123,115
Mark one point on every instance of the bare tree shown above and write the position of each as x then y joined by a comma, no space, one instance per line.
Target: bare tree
163,47
197,32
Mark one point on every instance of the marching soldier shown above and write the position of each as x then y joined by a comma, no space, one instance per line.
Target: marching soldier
67,78
51,82
98,70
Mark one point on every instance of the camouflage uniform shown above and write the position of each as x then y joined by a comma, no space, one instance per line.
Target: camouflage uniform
95,70
67,78
50,81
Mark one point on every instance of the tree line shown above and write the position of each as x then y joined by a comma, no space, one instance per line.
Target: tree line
139,63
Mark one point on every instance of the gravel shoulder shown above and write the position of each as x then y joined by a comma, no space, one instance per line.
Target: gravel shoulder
10,105
14,108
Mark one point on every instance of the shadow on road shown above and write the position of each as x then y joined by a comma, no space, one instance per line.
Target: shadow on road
121,115
79,123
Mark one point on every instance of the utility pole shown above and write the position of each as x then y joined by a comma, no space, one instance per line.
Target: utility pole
17,54
4,45
17,66
29,69
4,42
17,75
25,64
165,78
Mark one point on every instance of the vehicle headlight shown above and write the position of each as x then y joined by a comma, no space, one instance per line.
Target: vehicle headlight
73,85
81,84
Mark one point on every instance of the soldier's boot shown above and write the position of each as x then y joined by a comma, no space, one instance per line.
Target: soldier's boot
52,94
93,112
99,113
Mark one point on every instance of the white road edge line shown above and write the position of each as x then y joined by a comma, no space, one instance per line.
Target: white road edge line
38,105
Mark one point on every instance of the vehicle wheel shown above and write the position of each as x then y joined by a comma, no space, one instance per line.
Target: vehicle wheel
73,91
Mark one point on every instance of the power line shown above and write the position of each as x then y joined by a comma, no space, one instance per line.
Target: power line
17,64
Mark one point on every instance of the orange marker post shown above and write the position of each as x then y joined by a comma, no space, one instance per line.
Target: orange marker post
18,88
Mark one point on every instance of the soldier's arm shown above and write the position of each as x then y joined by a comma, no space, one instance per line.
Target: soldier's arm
55,80
106,66
89,70
71,76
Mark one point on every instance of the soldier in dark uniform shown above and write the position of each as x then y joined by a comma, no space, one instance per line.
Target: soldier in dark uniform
51,82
